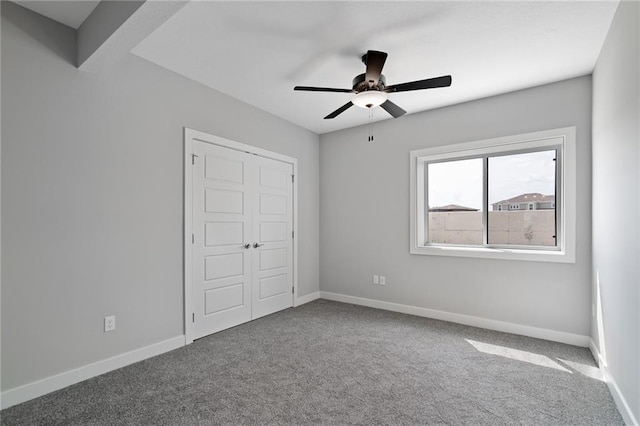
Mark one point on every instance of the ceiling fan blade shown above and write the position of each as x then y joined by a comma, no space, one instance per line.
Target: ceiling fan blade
340,110
430,83
393,109
374,61
322,89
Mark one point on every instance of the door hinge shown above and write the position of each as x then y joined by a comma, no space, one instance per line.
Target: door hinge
193,317
292,234
292,290
193,158
193,238
292,178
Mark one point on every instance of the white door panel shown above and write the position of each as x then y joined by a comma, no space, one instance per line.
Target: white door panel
273,204
223,201
240,199
274,177
273,258
221,219
225,169
223,234
224,298
272,286
271,232
223,266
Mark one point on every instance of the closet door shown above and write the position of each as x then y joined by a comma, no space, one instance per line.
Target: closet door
243,237
272,259
223,188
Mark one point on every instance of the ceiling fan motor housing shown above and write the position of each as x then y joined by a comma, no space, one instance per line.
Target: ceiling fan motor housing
360,83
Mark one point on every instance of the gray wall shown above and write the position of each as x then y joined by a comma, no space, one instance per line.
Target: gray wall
364,214
92,194
616,177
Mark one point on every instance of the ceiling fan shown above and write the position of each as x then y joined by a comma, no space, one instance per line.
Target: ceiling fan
370,89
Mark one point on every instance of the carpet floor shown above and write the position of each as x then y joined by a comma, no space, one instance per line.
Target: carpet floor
333,363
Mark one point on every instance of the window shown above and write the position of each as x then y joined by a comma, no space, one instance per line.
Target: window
455,194
506,198
464,179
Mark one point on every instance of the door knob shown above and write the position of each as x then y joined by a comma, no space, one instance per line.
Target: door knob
247,246
256,245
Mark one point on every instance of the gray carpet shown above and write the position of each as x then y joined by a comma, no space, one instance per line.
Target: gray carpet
334,363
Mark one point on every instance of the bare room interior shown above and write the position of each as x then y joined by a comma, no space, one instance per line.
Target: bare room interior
344,212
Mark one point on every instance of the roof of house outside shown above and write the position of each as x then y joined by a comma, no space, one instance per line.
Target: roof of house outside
452,208
527,198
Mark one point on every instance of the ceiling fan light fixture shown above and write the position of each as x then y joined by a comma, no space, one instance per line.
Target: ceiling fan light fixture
369,98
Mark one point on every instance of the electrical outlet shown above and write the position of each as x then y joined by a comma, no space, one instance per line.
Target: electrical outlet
109,323
376,279
383,280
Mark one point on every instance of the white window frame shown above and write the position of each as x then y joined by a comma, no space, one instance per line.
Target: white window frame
563,139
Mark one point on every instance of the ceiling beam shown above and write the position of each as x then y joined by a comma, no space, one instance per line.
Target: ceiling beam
116,27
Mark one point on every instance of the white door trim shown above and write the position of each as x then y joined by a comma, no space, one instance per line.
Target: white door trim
191,135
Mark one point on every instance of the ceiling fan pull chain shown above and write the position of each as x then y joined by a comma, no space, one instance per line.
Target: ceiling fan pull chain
370,125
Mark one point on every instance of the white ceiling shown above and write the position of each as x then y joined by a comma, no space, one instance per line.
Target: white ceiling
258,51
72,13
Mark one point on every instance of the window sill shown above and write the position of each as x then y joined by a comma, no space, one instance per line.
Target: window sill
497,253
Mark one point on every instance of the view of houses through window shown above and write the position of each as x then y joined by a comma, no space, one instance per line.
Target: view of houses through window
519,208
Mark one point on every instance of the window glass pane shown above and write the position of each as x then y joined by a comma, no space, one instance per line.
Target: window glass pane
454,202
522,199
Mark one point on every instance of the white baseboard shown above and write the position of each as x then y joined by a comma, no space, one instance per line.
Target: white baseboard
44,386
616,394
306,298
506,327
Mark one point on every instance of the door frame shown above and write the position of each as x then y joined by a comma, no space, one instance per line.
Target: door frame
191,135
